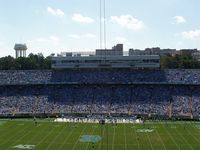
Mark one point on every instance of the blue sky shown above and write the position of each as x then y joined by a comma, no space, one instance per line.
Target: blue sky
54,26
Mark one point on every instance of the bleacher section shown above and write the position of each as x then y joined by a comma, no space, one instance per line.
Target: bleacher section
99,76
143,92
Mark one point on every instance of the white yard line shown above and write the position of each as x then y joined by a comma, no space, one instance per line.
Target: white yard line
4,128
192,135
7,135
125,137
85,125
160,139
12,137
113,140
184,139
35,135
19,139
52,142
193,126
171,137
149,141
137,138
89,142
101,137
46,136
66,138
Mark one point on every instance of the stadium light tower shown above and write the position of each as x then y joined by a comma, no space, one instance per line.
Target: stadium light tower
103,23
20,50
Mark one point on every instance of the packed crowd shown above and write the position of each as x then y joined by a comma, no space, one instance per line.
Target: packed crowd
180,100
99,76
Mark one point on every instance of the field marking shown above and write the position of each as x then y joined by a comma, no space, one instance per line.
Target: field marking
192,135
54,139
125,137
63,143
41,141
171,136
12,137
7,127
137,137
107,136
102,134
2,123
195,128
113,140
149,140
89,142
85,126
19,139
7,133
24,146
184,138
123,144
125,133
161,139
36,134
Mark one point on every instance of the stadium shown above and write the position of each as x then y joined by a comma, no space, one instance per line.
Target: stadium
140,98
100,103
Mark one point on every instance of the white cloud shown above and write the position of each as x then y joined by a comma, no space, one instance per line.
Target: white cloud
191,34
74,36
82,19
78,36
90,35
179,19
55,12
54,38
41,39
128,21
46,39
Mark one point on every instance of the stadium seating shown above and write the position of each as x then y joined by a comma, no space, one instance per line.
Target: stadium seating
101,91
99,76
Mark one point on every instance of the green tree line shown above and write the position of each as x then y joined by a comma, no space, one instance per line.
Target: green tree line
38,61
33,61
179,62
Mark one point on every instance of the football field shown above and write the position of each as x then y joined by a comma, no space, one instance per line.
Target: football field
21,135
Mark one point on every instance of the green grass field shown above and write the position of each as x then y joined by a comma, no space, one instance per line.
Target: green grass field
64,136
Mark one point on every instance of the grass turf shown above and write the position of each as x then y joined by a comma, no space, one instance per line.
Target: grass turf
66,136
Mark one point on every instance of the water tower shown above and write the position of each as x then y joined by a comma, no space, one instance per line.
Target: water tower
20,50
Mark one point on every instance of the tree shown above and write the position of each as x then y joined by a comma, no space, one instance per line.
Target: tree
7,63
178,61
33,61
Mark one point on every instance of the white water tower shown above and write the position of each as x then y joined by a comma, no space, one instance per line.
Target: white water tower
20,50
